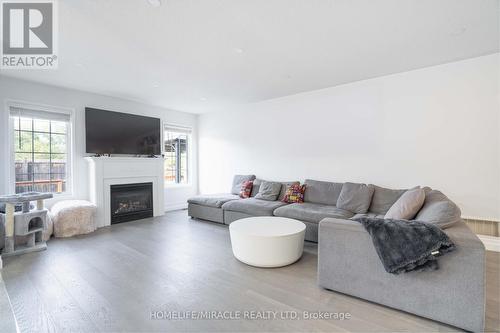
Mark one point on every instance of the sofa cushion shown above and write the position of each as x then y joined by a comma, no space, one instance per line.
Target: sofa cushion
256,187
213,200
383,199
407,206
253,206
355,197
439,210
321,192
269,191
311,212
238,180
284,186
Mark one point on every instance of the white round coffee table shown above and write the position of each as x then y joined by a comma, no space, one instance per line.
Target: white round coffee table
267,241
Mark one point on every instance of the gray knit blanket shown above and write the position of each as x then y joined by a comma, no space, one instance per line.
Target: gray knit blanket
405,246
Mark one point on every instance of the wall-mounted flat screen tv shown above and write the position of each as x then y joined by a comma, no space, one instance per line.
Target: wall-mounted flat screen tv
109,132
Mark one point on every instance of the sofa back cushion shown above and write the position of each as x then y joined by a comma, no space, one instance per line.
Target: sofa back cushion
238,181
256,186
269,191
439,210
383,199
355,197
320,192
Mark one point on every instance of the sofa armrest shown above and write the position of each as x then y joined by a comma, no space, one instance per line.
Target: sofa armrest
348,263
460,233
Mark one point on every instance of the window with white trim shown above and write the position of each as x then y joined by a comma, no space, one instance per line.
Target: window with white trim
41,150
176,152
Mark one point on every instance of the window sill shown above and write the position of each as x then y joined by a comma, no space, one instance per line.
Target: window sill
178,185
62,196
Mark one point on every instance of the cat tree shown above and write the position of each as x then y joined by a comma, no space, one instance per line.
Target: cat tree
24,229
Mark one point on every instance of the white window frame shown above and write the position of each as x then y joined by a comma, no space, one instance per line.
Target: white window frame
189,151
11,179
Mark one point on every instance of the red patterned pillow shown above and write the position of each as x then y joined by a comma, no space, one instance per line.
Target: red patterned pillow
246,189
294,193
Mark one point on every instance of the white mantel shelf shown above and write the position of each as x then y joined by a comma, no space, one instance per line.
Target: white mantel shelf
107,171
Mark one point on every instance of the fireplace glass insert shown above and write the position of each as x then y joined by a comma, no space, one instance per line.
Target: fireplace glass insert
131,202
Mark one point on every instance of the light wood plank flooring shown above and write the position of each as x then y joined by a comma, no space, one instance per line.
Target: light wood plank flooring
112,279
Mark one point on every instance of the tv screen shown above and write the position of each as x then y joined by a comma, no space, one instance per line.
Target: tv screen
109,132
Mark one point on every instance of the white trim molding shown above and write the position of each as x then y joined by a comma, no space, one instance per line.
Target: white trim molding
70,135
176,206
491,243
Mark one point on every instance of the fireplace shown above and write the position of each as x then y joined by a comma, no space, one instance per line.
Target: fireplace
131,202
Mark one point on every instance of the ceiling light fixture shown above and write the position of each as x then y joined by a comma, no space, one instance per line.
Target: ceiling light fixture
203,99
238,50
155,3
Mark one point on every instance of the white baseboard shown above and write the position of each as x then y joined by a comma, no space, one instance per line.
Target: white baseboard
491,243
177,206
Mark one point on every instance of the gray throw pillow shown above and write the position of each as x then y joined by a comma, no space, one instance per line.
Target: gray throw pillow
269,191
238,181
355,197
407,206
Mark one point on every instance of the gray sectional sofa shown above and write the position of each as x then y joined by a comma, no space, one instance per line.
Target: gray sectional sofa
320,200
347,260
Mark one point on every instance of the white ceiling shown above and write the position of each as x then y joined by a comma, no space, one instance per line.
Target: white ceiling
197,56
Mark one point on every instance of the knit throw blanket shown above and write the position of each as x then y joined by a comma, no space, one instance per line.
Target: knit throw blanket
405,246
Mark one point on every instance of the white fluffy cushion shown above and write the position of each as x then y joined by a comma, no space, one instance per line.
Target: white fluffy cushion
49,227
407,206
73,217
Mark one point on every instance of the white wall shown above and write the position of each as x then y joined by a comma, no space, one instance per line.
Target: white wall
13,89
437,126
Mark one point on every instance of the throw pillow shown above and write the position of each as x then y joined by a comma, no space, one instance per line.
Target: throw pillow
355,198
246,189
407,206
268,191
284,187
294,193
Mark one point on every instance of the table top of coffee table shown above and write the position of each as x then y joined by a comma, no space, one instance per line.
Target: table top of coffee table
267,226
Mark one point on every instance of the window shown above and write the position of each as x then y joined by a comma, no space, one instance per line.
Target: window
41,149
176,142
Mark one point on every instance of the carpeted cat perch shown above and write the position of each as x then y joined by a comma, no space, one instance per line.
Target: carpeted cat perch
23,223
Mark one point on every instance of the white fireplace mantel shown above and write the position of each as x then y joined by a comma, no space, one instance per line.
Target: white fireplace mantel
107,171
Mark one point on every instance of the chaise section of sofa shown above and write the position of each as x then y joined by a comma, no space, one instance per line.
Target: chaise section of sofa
454,294
252,206
209,206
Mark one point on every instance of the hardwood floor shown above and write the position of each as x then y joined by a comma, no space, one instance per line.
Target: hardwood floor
113,279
